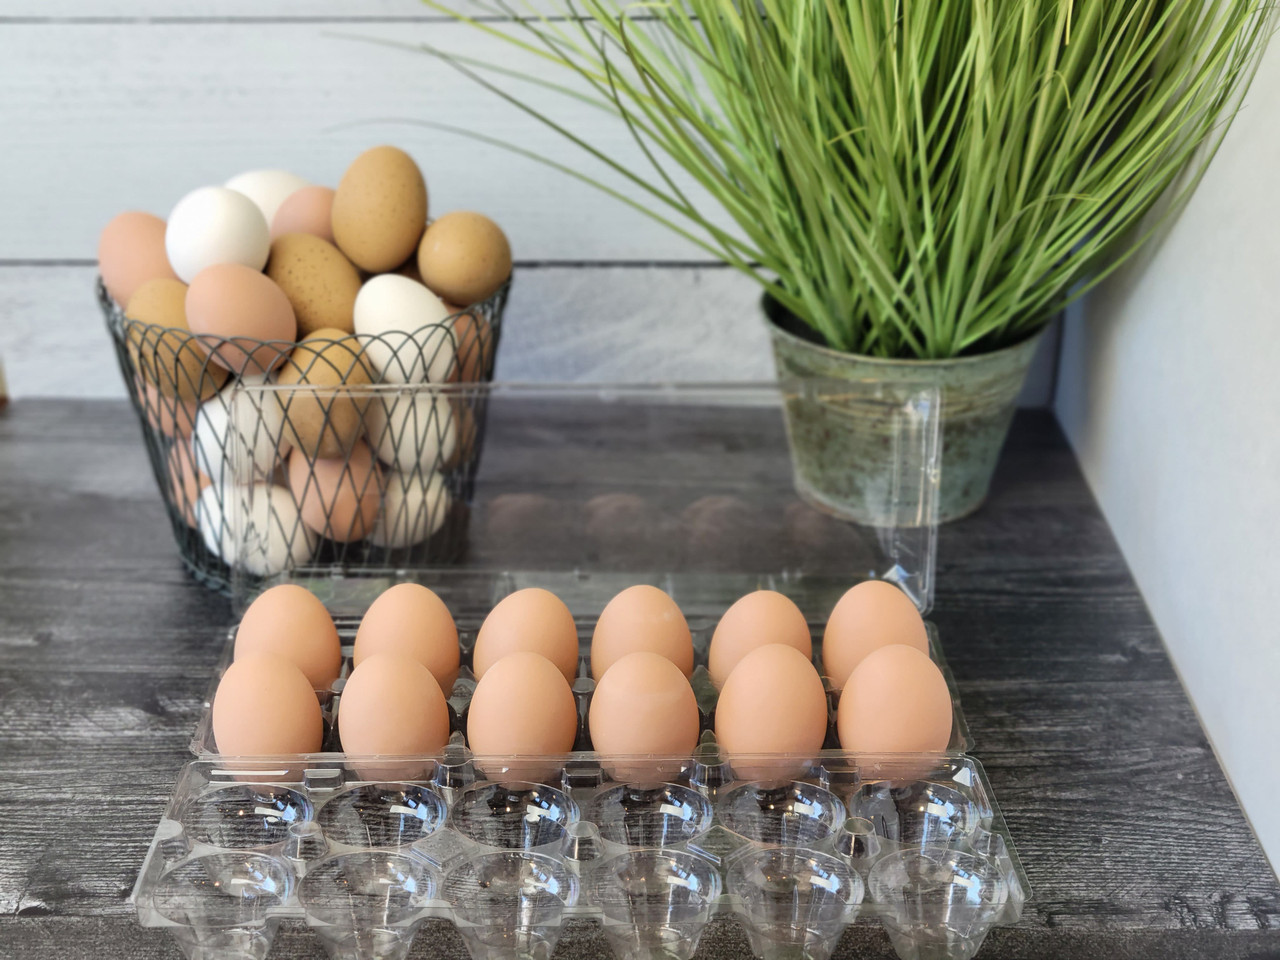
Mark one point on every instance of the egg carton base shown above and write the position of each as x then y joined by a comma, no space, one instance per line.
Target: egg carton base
916,844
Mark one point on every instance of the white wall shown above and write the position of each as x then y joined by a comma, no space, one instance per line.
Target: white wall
127,104
1169,389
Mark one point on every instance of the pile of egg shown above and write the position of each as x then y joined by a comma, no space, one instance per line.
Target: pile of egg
406,659
272,279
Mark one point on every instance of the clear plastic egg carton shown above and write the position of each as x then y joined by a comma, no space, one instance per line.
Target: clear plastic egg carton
365,852
454,588
584,491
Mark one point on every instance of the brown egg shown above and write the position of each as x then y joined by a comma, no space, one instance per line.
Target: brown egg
306,210
533,620
325,422
380,209
641,618
233,307
895,701
772,703
131,252
869,616
185,481
264,707
474,346
464,257
173,417
162,346
391,706
522,707
410,620
759,618
644,706
289,621
337,498
319,281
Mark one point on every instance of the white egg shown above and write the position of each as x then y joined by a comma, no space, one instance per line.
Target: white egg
401,325
270,535
411,429
257,445
267,188
211,521
256,528
413,508
215,225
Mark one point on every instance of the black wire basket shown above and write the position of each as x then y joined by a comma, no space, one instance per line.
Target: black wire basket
356,475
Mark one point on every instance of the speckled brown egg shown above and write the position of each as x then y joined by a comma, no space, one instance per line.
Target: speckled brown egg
164,350
464,257
131,252
380,209
319,281
327,422
306,210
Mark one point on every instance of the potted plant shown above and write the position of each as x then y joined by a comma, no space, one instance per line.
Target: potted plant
919,188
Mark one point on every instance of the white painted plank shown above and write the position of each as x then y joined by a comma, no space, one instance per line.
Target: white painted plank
612,324
609,324
100,118
170,10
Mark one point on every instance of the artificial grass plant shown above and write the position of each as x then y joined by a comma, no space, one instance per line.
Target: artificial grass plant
918,179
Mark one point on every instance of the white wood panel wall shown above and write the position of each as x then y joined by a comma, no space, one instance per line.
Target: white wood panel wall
128,104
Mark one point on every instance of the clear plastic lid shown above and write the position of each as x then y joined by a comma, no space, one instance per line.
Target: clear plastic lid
706,490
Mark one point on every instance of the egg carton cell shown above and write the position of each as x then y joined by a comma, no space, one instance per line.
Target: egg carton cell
476,591
307,470
914,843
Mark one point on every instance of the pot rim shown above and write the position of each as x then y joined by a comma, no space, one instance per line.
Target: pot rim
777,330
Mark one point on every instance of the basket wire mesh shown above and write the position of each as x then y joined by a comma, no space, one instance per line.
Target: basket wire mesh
347,476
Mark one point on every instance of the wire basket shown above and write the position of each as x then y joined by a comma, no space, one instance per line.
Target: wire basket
374,477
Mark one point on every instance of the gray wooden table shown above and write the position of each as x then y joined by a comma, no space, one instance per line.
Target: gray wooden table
1132,839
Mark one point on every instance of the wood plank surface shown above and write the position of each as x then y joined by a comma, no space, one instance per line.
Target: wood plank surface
1129,832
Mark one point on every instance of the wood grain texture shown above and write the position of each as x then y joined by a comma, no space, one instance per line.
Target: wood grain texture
104,117
1133,842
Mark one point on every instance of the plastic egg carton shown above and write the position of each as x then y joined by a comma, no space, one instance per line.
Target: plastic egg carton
365,852
701,627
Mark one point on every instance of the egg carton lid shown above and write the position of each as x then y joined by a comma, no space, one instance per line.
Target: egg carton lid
708,490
